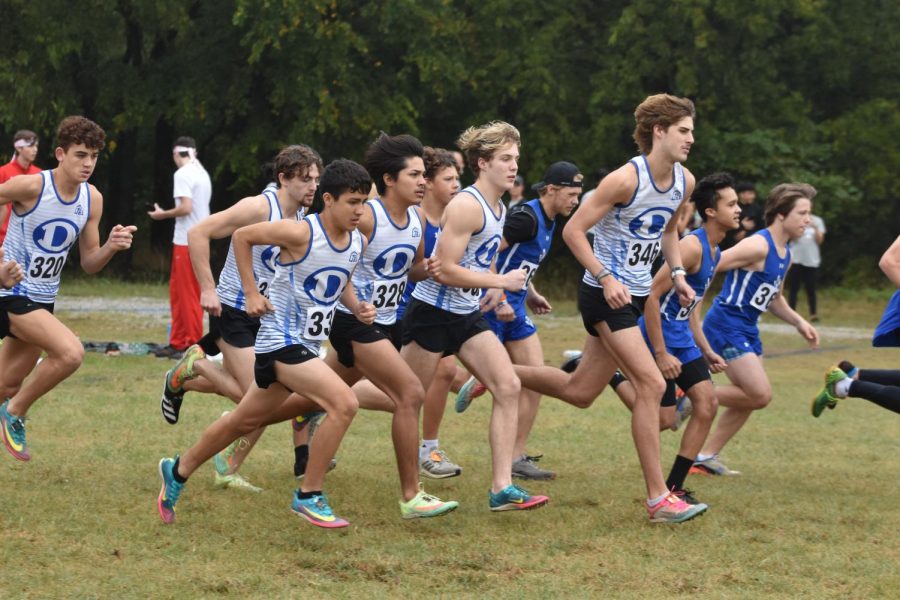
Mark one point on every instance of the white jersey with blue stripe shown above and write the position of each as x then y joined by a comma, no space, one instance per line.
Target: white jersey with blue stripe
381,275
230,291
40,239
305,292
478,256
628,238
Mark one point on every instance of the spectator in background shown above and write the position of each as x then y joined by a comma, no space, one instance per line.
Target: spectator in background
517,193
597,177
25,145
751,216
192,192
807,259
460,162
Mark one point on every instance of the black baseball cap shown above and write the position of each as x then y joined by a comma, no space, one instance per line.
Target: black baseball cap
561,173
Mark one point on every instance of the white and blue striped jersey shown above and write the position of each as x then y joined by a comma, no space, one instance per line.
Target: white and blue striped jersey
478,256
40,239
628,238
381,275
230,291
272,187
305,292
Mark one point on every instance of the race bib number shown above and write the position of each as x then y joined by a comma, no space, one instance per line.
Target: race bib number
685,311
46,267
763,297
642,253
471,293
530,269
387,294
318,322
263,286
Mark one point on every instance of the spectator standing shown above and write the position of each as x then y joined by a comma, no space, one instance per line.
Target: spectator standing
25,144
751,216
807,258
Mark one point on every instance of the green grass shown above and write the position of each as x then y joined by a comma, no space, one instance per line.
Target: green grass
814,514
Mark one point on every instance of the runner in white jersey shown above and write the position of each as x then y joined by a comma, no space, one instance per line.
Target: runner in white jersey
232,330
317,258
631,213
50,210
443,316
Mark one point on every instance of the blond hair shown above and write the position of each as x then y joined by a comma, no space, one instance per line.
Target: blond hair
483,141
660,109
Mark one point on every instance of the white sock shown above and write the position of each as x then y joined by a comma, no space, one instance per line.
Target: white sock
426,448
654,501
702,457
842,387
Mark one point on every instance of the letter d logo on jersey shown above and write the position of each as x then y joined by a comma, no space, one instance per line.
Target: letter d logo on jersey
55,235
269,256
325,285
487,250
394,262
649,224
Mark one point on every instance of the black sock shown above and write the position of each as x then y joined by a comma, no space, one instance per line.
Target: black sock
617,379
301,453
307,495
885,396
679,472
175,474
882,376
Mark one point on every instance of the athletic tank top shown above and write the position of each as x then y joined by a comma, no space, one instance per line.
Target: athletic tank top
478,256
230,290
381,275
628,238
747,294
305,292
676,329
431,236
527,255
40,239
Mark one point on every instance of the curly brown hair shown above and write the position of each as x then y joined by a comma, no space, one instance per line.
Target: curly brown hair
437,159
783,197
660,109
295,161
80,130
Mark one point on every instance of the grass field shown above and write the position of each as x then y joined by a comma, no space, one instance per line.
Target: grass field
812,516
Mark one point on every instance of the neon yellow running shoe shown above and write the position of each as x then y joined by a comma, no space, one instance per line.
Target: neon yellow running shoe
424,505
827,397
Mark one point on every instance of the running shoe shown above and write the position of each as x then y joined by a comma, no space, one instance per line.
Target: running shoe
525,468
173,390
674,510
571,363
827,397
684,408
512,497
170,490
424,505
470,390
686,495
236,481
13,433
438,466
712,466
317,511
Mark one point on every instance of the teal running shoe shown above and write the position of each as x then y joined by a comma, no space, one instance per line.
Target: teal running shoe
13,431
317,511
170,490
512,497
470,390
827,397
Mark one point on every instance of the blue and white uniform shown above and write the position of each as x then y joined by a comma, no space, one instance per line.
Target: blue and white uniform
382,274
305,292
478,257
888,331
431,235
629,237
731,325
675,318
522,255
40,239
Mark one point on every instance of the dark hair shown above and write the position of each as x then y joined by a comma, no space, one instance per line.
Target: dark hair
342,176
187,142
744,186
387,155
784,196
706,193
80,130
436,160
25,134
663,110
295,161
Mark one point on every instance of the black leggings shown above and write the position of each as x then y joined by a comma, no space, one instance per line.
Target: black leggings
806,276
880,386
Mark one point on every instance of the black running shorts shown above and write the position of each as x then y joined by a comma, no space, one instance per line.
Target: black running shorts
264,367
594,309
438,330
346,329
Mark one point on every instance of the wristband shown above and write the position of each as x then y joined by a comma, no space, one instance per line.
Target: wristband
678,271
603,273
502,303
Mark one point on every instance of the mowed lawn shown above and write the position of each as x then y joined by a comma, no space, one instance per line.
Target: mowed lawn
813,515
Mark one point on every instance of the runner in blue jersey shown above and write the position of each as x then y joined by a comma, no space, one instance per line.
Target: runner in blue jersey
316,259
632,215
755,270
527,236
673,332
443,317
879,386
232,330
50,211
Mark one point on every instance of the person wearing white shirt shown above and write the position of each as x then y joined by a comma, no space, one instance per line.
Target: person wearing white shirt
807,258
